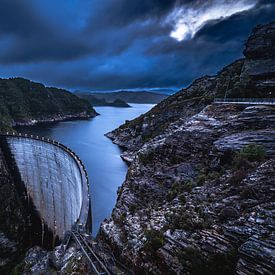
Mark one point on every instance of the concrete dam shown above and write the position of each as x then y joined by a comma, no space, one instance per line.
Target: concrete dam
54,179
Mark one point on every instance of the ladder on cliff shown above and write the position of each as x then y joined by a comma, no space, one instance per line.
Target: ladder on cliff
101,261
97,265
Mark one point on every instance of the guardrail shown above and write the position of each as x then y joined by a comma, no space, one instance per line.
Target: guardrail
84,212
248,101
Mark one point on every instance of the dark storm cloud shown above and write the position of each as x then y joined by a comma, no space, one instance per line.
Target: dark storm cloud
123,12
105,44
25,36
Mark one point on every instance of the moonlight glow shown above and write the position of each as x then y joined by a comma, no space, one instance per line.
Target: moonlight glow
189,21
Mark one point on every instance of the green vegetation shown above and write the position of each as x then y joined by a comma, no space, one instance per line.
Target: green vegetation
184,220
154,240
237,177
177,189
248,193
218,263
242,163
247,155
18,269
228,213
122,218
252,152
21,100
133,208
146,158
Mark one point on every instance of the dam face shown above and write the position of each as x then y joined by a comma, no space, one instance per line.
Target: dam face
55,180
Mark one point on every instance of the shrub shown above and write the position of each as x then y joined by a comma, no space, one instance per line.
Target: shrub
253,152
248,193
146,158
182,199
18,269
241,163
201,179
154,240
133,208
237,177
228,213
176,189
183,220
188,186
175,159
171,194
122,218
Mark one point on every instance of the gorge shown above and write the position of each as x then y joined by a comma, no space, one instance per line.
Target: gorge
198,197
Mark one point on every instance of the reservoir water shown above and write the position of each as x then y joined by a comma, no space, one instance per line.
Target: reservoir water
100,156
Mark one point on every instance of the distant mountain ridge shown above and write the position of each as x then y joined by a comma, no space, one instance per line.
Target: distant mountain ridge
143,97
94,101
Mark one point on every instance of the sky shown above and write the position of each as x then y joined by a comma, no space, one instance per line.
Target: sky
99,45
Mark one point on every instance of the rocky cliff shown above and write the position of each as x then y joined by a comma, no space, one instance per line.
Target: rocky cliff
199,193
23,102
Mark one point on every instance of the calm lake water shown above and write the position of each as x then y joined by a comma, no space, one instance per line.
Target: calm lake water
100,156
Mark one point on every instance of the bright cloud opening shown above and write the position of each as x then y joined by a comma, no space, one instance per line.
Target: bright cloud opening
188,21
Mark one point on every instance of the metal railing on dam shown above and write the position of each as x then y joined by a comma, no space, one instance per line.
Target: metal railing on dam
246,101
55,179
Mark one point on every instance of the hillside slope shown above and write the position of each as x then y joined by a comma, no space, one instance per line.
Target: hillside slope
95,101
23,102
252,76
198,196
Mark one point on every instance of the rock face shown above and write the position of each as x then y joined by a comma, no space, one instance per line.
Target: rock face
199,194
58,261
259,64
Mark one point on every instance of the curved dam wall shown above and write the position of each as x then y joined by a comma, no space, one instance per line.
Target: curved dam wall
55,179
